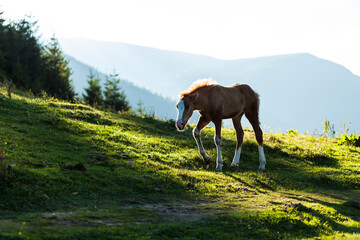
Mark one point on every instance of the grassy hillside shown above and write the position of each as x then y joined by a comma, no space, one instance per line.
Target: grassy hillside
73,172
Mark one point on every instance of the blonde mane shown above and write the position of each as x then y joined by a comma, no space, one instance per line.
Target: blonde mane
198,84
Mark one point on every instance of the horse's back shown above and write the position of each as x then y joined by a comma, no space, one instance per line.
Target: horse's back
245,90
251,97
241,86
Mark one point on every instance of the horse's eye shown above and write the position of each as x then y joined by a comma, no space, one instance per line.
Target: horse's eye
186,107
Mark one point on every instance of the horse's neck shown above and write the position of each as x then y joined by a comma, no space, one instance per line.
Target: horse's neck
202,102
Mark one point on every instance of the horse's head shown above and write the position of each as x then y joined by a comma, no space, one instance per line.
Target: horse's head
185,109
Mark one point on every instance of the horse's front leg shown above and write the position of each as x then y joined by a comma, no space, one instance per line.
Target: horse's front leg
196,133
217,140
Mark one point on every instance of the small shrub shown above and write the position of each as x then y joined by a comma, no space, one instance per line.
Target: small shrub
352,139
9,85
144,112
292,131
140,110
329,129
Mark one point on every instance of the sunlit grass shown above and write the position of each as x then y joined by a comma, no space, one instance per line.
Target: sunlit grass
145,180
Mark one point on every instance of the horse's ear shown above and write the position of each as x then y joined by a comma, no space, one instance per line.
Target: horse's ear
193,97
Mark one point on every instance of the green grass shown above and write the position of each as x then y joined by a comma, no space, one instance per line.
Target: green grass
141,179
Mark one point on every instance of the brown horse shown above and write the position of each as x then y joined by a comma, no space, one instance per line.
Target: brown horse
215,103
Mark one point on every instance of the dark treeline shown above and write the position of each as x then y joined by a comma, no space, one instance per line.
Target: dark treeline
30,65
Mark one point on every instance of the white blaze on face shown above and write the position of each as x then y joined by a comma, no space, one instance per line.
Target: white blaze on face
181,108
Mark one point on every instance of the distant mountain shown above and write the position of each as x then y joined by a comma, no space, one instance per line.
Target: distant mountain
153,103
151,68
297,91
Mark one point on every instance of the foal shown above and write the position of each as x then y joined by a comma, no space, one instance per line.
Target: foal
214,103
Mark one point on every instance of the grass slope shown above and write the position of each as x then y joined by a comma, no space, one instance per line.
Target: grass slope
73,172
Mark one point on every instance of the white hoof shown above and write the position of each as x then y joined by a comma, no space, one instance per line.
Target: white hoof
262,169
206,158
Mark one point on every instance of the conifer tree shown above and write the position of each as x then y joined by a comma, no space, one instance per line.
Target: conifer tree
57,72
2,56
115,99
30,66
93,95
2,67
21,53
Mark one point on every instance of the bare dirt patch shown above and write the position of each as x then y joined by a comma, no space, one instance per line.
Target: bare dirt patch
173,212
170,212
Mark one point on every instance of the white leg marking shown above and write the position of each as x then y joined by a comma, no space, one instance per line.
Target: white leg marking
236,158
196,134
262,158
219,160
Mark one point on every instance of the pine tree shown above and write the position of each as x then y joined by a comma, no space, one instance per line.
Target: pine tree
93,95
2,67
115,99
2,56
30,66
57,72
21,53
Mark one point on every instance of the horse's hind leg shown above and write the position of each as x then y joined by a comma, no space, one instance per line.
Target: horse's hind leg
240,137
196,133
254,120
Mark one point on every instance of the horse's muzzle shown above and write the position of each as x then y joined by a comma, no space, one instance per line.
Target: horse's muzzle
180,125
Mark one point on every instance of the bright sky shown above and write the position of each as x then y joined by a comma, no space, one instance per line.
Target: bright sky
225,29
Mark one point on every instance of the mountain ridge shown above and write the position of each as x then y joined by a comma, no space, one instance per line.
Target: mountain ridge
297,91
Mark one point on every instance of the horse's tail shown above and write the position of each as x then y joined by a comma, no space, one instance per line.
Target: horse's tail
252,99
255,103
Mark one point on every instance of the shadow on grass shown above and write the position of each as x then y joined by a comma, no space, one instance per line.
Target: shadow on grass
342,208
288,171
50,189
334,219
41,140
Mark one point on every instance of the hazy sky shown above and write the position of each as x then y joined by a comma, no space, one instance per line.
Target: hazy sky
225,29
